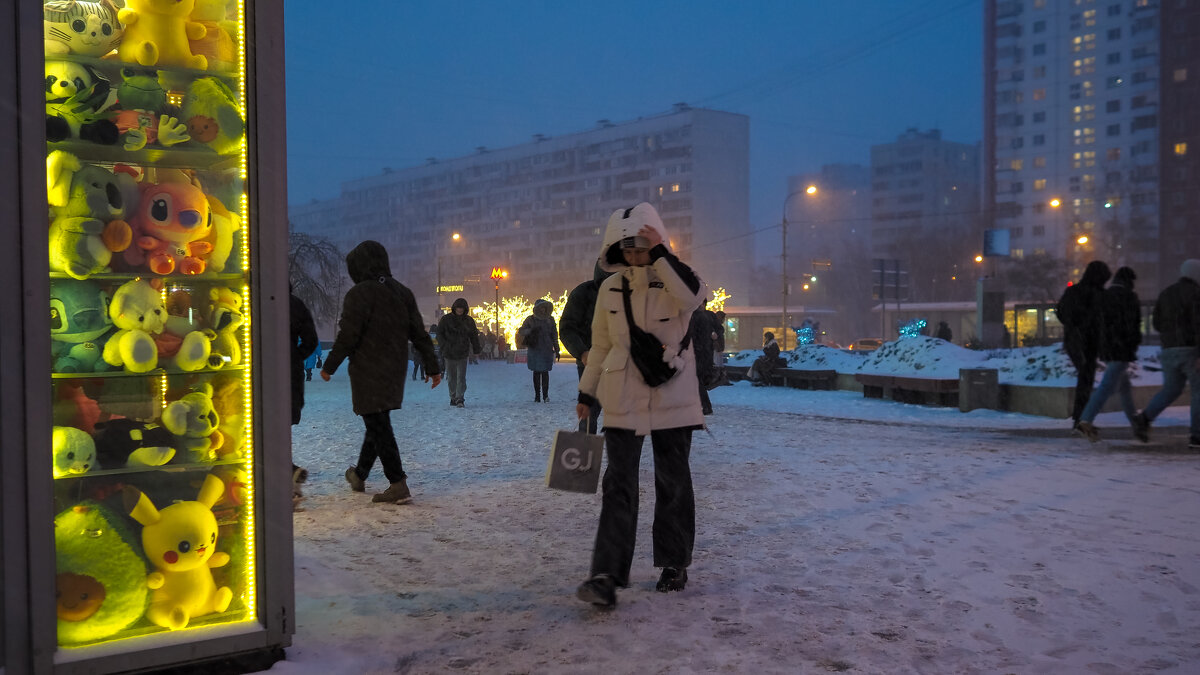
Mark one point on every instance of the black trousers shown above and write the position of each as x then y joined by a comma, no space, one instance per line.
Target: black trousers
674,529
380,441
1085,366
593,419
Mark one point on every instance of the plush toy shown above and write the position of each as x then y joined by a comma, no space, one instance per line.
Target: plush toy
157,33
139,314
72,407
123,442
144,115
88,206
217,44
229,405
184,321
225,317
84,28
180,542
100,578
211,114
169,228
79,326
225,223
76,96
74,451
194,422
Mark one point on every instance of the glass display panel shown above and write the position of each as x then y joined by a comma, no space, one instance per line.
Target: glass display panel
146,165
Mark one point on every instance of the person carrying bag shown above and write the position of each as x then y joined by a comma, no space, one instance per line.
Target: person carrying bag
643,372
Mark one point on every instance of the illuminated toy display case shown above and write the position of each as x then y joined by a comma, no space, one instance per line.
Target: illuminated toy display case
144,404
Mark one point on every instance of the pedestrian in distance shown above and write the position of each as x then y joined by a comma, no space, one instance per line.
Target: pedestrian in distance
313,360
763,368
1079,312
1176,317
660,292
304,344
575,329
538,336
379,318
701,328
458,338
944,332
1121,319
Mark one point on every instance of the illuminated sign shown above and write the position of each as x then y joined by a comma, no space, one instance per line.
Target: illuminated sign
450,288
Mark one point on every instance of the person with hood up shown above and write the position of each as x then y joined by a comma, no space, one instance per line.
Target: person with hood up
379,318
1079,312
458,338
305,345
540,339
763,368
1121,321
575,329
661,292
1176,317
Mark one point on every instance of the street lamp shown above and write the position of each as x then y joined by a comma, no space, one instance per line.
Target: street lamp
783,321
497,275
453,238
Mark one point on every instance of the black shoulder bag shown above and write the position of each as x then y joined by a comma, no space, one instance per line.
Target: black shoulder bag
645,350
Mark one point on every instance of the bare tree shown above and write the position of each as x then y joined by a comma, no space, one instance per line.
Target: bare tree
316,271
1038,277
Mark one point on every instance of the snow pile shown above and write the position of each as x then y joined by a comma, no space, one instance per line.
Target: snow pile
924,356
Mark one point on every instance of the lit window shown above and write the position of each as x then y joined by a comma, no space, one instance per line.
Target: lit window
1015,164
1180,74
1181,148
1039,162
674,187
1039,94
1039,184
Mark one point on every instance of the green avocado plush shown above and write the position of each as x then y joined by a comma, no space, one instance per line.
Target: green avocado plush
212,116
100,577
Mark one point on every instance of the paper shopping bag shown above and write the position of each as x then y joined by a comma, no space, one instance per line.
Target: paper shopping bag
575,461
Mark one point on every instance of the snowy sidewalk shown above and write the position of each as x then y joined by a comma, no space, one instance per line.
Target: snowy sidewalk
895,539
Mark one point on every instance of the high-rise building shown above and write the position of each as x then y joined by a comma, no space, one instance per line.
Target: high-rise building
1179,140
925,213
1088,108
539,209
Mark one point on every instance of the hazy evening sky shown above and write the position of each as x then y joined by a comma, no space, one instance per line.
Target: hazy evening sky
387,84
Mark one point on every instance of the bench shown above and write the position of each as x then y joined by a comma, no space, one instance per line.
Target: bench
919,390
788,377
808,379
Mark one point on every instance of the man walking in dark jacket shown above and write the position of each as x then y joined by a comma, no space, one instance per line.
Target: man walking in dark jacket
1121,318
379,317
1079,312
1177,320
575,330
304,344
703,332
458,338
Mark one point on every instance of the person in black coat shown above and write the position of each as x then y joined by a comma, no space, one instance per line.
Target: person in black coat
458,338
304,343
764,366
944,332
1079,312
701,328
1121,318
575,330
379,318
1177,319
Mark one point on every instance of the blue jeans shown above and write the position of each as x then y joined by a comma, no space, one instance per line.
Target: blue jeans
1116,376
1178,367
456,378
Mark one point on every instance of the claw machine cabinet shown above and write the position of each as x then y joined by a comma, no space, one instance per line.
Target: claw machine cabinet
146,453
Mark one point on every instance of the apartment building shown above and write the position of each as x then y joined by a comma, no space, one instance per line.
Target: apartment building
1089,106
538,210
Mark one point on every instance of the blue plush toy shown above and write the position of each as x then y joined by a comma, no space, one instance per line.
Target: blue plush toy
79,326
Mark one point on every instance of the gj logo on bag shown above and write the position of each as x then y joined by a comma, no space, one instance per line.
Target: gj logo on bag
575,461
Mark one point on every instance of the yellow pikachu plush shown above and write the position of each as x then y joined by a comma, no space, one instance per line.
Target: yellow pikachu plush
180,541
157,33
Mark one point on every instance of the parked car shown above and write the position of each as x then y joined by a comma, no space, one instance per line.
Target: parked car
866,344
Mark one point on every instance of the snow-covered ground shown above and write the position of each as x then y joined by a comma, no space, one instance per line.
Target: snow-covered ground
834,533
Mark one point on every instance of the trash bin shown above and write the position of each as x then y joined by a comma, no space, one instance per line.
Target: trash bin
978,388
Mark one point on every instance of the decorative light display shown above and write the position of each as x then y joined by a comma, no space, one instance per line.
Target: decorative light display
717,304
513,311
913,328
805,335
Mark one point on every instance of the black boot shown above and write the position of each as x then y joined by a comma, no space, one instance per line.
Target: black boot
600,590
672,579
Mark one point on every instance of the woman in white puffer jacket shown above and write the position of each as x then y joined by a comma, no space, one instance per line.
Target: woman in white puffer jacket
663,294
